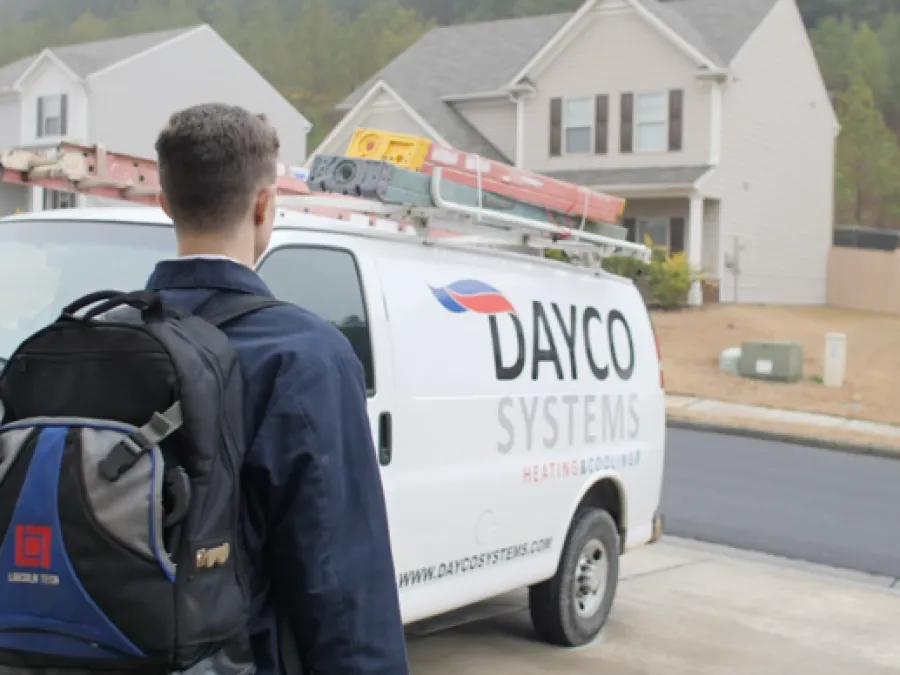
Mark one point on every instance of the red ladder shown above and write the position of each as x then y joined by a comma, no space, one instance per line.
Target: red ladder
98,172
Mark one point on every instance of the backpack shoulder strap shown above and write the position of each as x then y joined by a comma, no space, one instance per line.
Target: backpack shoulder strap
225,308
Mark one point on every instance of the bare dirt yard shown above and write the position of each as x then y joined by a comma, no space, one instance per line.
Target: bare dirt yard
692,339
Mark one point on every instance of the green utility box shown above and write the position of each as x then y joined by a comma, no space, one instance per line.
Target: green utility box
771,360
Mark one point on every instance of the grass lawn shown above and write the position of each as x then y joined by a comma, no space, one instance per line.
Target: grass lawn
691,341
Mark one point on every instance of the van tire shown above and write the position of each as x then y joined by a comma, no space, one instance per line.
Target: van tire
563,615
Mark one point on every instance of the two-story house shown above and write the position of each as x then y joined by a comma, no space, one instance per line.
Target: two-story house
709,116
120,92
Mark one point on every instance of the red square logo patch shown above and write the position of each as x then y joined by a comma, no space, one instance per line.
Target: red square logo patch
34,546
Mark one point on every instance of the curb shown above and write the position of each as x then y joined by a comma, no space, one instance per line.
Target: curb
783,437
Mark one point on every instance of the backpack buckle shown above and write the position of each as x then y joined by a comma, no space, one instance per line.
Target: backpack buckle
122,458
160,427
119,461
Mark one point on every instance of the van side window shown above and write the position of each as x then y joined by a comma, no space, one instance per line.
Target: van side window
326,282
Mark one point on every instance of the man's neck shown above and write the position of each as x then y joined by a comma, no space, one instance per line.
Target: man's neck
214,249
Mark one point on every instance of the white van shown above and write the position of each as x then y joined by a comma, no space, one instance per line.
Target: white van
516,403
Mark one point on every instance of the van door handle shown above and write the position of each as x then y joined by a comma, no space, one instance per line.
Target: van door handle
385,444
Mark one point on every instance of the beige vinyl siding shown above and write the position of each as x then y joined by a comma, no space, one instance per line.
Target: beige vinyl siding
382,112
130,102
495,119
776,176
615,52
391,120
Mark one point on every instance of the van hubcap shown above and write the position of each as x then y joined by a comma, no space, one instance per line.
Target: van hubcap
590,579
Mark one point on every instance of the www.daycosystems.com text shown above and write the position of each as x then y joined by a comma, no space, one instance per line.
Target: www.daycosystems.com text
472,563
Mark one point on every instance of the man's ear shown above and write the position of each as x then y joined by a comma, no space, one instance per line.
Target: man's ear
164,205
265,200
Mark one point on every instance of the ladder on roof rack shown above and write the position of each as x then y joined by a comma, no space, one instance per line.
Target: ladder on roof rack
93,170
452,198
571,203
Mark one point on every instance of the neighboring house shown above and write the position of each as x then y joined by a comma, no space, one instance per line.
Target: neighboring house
709,116
120,92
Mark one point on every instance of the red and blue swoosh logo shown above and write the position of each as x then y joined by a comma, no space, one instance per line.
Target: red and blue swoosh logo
469,295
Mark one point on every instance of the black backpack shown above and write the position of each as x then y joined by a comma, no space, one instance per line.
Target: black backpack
120,458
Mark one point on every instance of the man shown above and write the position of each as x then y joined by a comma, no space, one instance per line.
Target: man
314,516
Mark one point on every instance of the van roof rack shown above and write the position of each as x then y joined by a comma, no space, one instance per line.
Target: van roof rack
95,171
387,180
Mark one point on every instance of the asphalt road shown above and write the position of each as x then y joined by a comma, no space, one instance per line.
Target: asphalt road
795,501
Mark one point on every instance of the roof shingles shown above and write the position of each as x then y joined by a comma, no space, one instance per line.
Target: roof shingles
634,177
89,57
477,57
484,57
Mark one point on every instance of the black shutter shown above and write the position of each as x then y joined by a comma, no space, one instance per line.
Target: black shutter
676,235
626,128
556,127
64,115
40,117
601,125
676,119
631,225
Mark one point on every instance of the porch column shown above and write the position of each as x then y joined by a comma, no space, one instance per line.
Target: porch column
695,246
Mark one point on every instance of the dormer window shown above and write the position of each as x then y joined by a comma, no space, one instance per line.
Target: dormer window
52,115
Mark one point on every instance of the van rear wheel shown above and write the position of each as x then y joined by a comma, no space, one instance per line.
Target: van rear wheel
571,608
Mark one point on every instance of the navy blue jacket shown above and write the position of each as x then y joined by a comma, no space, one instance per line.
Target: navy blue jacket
315,522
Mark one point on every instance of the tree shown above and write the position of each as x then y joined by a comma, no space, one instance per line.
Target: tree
872,11
383,30
833,40
868,60
889,36
88,28
868,160
533,7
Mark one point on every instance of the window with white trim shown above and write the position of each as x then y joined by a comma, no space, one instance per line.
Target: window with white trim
52,115
651,122
655,228
578,127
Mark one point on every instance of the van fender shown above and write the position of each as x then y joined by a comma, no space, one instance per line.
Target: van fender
606,492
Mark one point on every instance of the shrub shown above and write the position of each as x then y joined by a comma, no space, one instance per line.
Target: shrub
665,281
670,279
556,254
625,266
666,278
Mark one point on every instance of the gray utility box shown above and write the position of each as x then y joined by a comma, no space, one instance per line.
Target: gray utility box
771,360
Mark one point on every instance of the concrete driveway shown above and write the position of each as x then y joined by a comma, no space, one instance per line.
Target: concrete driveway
689,609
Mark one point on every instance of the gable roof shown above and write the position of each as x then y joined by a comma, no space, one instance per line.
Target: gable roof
476,57
484,57
723,25
89,57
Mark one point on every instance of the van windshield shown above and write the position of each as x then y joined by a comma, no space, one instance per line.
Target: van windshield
44,265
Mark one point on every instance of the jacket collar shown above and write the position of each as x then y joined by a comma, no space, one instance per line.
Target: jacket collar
207,273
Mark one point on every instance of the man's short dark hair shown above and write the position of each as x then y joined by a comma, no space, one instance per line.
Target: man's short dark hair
213,159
